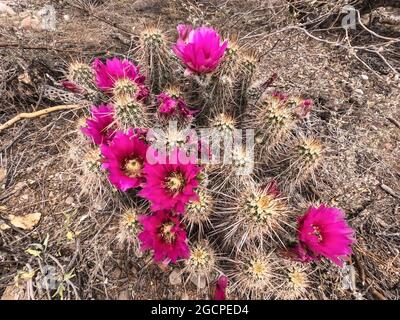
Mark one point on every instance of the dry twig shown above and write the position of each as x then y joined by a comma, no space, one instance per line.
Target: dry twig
36,114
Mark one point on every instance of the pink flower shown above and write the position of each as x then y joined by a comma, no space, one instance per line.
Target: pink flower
170,107
184,31
165,235
304,108
70,86
199,49
272,188
280,96
323,231
120,76
100,127
124,159
170,181
220,288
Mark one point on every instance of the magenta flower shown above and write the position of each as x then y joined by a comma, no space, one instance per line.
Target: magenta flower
200,49
124,159
220,288
272,188
120,76
323,231
184,31
304,108
173,107
280,96
165,235
170,181
70,86
100,128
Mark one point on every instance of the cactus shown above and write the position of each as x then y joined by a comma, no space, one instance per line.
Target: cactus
178,205
304,157
156,57
274,122
130,113
254,273
202,265
254,213
82,75
198,213
293,281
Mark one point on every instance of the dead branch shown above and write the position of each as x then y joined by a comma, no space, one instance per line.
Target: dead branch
389,190
36,114
394,121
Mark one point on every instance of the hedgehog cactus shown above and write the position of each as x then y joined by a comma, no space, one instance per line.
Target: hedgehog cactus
201,267
302,160
248,64
221,87
294,281
129,228
254,273
81,75
274,122
130,113
198,212
156,56
178,193
253,214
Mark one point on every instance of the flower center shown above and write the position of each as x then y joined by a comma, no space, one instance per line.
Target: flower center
167,232
317,232
133,168
175,182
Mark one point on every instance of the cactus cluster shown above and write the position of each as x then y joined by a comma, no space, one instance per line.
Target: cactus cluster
231,216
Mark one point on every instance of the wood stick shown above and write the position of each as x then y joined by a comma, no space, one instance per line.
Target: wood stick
36,114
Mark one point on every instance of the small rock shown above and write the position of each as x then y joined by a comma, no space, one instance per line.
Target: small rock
26,222
199,281
6,9
359,91
14,292
25,78
185,296
175,277
30,23
25,197
364,77
67,17
123,295
69,200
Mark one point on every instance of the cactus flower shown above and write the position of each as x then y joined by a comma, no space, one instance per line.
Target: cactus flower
165,235
124,159
170,183
200,49
100,126
120,77
323,231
